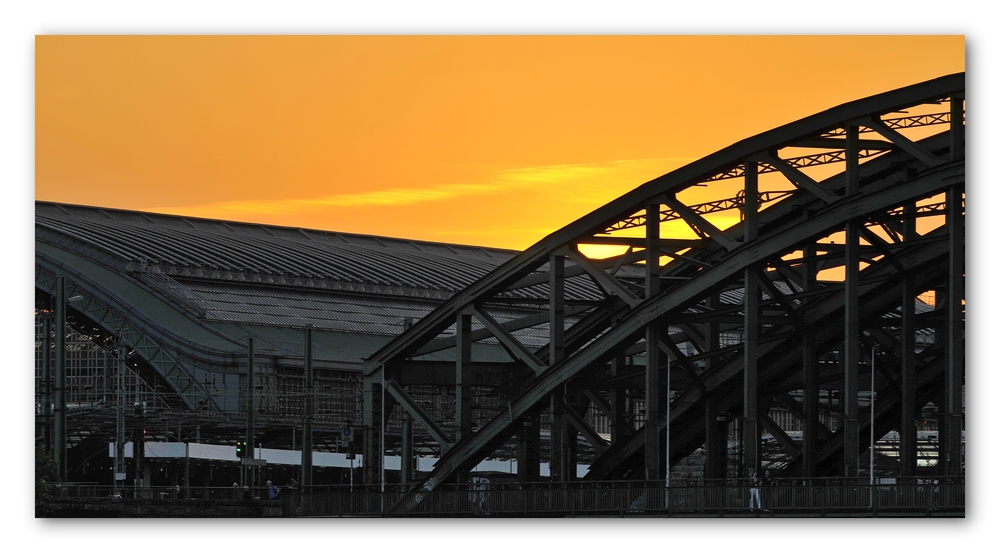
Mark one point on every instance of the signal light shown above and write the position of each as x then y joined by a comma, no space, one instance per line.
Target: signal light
241,449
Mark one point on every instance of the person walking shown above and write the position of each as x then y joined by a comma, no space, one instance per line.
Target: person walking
755,483
768,483
272,490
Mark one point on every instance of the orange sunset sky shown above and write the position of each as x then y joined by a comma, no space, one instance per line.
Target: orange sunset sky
487,140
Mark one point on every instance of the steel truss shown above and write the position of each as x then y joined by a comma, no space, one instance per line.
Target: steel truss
827,270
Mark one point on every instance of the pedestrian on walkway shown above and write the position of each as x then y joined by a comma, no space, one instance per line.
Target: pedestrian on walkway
768,483
755,484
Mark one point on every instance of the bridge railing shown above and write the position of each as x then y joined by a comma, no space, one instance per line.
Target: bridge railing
787,497
822,497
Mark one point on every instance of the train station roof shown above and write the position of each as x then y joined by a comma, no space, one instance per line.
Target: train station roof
216,282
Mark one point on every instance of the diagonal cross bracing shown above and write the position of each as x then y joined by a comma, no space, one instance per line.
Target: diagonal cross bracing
417,413
515,347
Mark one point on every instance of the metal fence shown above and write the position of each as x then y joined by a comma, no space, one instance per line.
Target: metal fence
85,491
787,498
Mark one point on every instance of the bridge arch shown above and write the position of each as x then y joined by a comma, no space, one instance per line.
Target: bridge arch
769,271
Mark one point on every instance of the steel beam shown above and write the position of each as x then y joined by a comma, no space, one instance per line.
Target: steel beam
621,426
851,353
801,180
558,432
902,142
907,349
810,376
372,425
699,223
528,449
955,380
407,461
463,375
751,328
957,125
716,440
652,380
517,350
605,281
414,410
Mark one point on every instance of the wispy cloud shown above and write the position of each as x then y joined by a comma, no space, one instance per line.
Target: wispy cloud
405,196
553,174
584,181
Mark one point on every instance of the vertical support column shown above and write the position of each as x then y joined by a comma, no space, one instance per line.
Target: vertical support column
652,257
556,449
653,394
138,446
956,332
751,328
372,423
406,465
618,419
851,322
751,392
528,449
810,377
59,383
307,426
941,394
463,374
716,441
908,362
569,443
251,392
622,425
557,350
187,472
957,126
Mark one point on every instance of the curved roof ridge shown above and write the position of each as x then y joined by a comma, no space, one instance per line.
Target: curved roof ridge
274,230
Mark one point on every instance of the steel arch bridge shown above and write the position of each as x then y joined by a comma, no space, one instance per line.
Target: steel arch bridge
782,270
